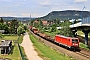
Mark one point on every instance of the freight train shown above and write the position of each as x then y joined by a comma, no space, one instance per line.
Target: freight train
69,42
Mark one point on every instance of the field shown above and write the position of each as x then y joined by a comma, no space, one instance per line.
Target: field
10,37
46,52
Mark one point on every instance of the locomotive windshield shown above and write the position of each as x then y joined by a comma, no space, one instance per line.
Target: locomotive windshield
74,40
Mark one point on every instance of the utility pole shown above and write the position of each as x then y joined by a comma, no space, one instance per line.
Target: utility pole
30,19
82,13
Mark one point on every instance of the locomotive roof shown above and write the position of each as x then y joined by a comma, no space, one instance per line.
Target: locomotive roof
64,36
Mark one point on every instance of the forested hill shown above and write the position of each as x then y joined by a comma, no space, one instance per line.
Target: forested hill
67,14
17,18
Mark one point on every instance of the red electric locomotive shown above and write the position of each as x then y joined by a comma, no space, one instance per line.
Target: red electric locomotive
67,41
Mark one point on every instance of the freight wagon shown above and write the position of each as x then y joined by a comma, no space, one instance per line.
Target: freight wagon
34,30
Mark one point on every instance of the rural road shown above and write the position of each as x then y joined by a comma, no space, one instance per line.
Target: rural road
29,48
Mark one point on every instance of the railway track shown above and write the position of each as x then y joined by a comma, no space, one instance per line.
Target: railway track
82,55
84,52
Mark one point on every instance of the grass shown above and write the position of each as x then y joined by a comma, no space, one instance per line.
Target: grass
84,46
10,37
20,39
22,49
46,52
15,55
80,33
52,34
23,52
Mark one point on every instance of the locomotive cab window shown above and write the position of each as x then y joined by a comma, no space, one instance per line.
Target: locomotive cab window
74,40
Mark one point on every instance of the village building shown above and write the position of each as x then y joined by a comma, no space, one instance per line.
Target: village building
5,47
44,22
36,21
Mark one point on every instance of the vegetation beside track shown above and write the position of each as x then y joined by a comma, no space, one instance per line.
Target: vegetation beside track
46,52
84,46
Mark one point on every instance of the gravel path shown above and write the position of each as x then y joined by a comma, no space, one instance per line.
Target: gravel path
29,48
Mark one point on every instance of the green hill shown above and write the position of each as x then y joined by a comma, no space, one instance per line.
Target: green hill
67,14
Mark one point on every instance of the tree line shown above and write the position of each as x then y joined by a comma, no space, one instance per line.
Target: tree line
12,27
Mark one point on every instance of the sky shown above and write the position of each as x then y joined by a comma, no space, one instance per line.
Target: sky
39,8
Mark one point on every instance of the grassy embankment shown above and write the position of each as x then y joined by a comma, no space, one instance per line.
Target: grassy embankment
15,54
46,52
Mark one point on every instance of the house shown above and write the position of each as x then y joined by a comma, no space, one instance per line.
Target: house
2,31
5,46
36,21
44,22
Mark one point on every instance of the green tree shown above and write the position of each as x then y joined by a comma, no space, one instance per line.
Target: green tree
38,24
53,29
31,22
4,27
1,20
13,27
1,35
56,21
25,27
20,30
66,31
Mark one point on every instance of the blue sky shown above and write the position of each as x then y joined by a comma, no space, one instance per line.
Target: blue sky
39,8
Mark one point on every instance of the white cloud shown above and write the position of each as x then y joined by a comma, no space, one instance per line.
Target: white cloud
45,3
7,0
5,15
80,1
11,0
25,14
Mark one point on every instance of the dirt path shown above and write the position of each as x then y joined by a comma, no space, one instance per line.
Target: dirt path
29,49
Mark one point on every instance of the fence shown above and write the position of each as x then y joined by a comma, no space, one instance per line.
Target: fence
23,57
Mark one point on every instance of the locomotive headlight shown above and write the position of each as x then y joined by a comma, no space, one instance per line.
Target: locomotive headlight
73,44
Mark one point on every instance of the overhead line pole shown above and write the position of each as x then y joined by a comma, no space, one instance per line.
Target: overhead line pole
82,13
